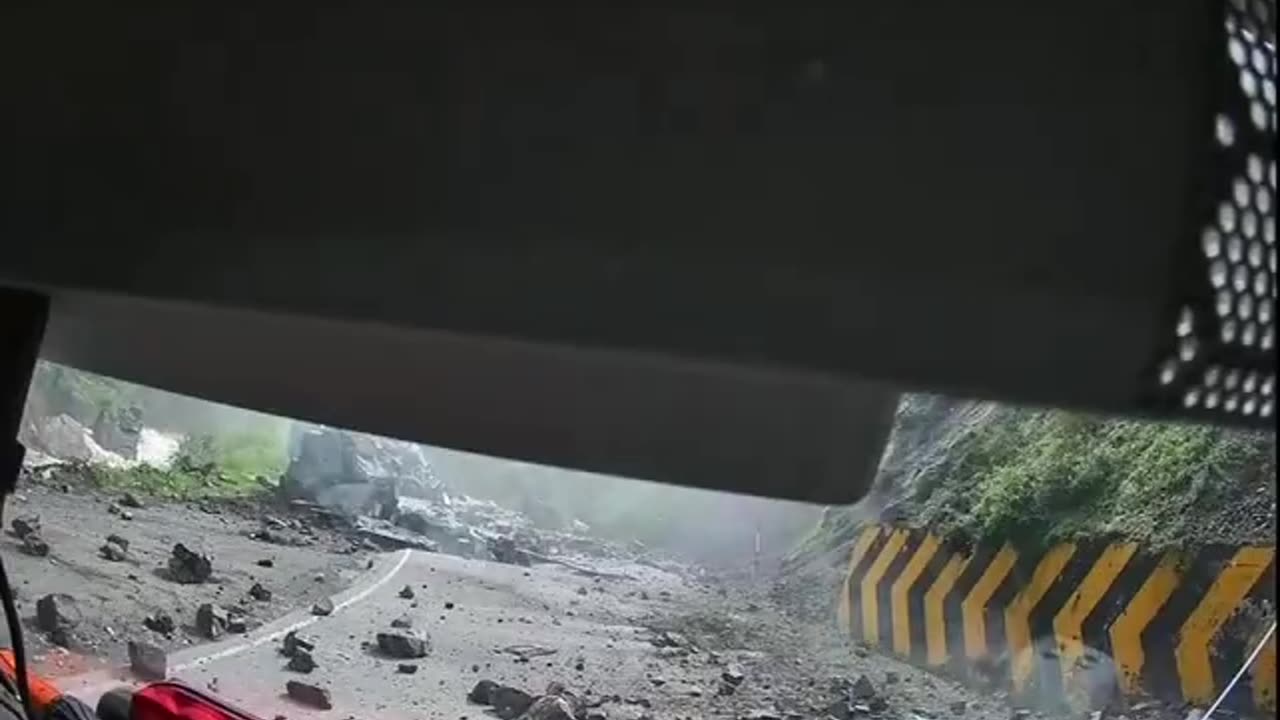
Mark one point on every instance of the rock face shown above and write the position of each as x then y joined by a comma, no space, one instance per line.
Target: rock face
356,473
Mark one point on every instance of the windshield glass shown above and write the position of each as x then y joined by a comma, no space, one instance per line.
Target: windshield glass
1007,562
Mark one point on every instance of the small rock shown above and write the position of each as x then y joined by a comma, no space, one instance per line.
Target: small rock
23,527
658,680
148,661
301,661
130,500
188,567
959,707
549,707
403,645
310,695
725,689
404,622
878,704
1020,714
862,688
582,591
481,692
237,623
34,545
126,515
448,606
113,552
266,563
211,621
322,607
292,643
406,668
57,611
508,702
891,677
160,622
113,509
319,577
733,675
259,593
406,592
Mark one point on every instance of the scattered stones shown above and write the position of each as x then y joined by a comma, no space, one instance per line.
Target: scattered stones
406,592
147,661
266,563
160,622
57,612
260,593
211,621
404,622
322,607
301,661
187,567
23,527
404,645
406,668
309,695
34,545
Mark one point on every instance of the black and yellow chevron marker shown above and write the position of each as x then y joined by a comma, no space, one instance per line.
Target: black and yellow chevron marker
1075,623
870,584
1215,607
937,647
844,606
973,608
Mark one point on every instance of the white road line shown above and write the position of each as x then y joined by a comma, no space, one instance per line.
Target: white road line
276,635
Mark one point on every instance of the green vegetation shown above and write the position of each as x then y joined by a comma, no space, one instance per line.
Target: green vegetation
205,467
1036,477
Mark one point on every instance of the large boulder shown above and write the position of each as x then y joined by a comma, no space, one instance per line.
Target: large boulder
356,473
118,429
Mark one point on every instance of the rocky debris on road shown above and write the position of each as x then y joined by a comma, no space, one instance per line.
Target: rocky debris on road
309,695
507,702
34,545
404,622
406,592
114,509
160,622
113,551
189,568
259,593
504,550
57,613
211,621
292,643
301,661
403,645
147,661
24,526
524,653
266,563
322,607
406,668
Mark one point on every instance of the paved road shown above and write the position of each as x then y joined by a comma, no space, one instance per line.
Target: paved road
494,606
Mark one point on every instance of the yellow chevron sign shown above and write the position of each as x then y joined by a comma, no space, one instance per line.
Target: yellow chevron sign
1174,626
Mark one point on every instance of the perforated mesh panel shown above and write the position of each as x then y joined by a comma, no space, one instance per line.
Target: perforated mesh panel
1220,363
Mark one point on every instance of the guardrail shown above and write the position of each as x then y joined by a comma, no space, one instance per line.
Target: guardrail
1073,625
